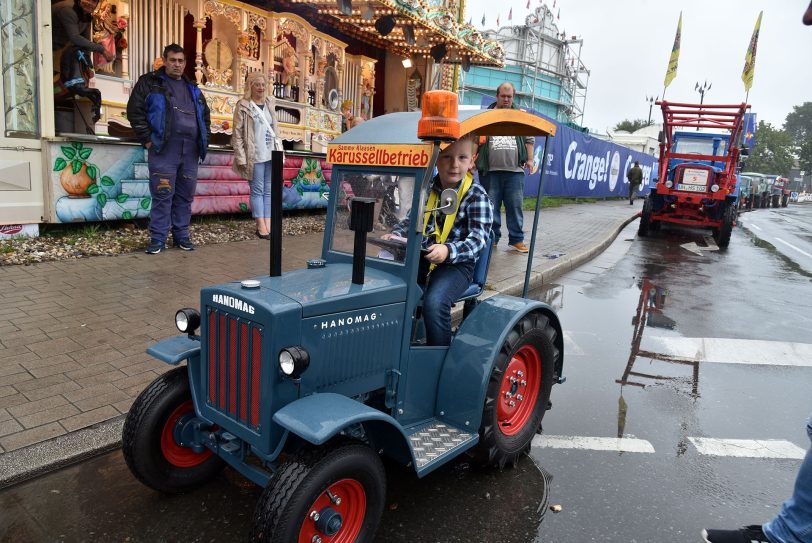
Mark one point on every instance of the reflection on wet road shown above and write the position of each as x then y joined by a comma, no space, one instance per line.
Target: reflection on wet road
687,389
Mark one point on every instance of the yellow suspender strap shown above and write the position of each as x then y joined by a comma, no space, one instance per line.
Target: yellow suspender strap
448,223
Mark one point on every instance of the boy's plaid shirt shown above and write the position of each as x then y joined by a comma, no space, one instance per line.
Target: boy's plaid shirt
472,226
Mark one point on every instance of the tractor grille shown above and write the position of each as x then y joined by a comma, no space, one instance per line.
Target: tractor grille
234,366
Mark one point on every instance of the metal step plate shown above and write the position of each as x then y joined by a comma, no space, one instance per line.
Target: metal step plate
434,439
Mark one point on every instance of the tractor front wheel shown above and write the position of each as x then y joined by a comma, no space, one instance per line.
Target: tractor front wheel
724,231
518,391
645,218
149,439
332,493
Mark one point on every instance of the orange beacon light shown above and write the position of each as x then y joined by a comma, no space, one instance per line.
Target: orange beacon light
439,119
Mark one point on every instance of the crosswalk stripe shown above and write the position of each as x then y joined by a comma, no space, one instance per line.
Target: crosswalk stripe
616,444
732,351
748,448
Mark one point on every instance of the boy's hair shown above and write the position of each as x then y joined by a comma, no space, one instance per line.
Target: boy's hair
472,137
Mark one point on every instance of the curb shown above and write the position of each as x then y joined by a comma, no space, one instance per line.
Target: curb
35,460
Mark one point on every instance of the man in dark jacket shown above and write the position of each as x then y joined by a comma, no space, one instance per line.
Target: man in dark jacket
635,177
501,163
170,117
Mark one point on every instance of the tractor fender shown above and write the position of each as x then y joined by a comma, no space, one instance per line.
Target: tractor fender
175,349
319,417
467,368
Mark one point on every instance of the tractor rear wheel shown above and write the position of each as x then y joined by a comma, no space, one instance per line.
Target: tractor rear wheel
518,391
645,218
724,231
333,493
149,439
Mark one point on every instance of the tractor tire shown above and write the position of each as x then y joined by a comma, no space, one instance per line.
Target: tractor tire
722,234
150,449
345,483
518,391
645,218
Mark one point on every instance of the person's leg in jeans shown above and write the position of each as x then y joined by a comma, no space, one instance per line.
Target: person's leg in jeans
446,284
266,195
163,171
794,523
258,202
492,183
513,196
185,186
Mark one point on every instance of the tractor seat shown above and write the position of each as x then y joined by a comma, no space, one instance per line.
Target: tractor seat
480,272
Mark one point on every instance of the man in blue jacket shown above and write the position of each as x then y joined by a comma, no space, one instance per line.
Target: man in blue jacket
171,119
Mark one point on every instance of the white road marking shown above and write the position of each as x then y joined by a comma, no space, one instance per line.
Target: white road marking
748,448
751,225
570,347
692,247
732,351
615,444
791,246
711,244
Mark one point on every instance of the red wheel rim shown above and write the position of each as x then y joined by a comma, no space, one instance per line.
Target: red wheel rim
352,507
176,454
519,390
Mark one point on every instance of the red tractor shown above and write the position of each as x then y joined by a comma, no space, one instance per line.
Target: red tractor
698,182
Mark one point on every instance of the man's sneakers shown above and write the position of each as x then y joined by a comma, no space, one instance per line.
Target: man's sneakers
748,534
184,244
519,246
155,246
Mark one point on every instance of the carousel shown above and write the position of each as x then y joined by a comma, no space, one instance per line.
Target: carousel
327,61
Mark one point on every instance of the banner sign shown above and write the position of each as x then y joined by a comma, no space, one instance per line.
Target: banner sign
579,165
411,156
749,138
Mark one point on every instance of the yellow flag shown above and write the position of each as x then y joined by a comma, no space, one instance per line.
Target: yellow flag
671,72
750,57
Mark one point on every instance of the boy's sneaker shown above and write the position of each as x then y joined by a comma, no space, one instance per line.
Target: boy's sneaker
184,244
520,246
748,534
155,246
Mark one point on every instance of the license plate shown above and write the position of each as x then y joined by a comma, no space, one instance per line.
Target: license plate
691,188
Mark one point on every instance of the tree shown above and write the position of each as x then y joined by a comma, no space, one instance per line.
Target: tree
631,126
798,124
805,155
772,152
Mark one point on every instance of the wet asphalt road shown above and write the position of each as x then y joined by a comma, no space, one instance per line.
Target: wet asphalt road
751,291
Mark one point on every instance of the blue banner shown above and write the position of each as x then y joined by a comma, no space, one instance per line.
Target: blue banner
579,165
749,138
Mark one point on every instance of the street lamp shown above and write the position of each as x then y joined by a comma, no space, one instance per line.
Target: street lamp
702,89
651,100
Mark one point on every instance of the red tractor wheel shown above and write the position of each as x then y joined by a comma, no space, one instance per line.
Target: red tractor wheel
518,391
332,494
150,441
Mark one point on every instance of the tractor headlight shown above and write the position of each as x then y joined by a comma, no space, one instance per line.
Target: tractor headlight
669,184
187,320
714,188
293,361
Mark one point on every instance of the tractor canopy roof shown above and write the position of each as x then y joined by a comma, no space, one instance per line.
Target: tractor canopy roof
401,128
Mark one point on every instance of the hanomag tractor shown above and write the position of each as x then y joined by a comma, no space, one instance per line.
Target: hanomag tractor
301,381
698,178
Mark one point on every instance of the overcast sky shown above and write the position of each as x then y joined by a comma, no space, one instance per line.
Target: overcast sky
627,44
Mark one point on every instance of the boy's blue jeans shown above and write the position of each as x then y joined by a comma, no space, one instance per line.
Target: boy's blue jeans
445,285
794,523
507,187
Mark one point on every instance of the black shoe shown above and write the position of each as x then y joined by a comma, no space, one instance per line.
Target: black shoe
748,534
263,236
184,244
155,246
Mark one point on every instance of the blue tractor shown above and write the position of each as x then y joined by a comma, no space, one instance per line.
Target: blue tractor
301,381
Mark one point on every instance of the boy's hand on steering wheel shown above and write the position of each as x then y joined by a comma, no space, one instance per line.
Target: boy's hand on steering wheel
437,254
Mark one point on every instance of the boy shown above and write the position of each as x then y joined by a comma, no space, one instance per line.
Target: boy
453,242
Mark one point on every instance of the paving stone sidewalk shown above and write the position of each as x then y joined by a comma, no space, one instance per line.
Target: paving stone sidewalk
73,334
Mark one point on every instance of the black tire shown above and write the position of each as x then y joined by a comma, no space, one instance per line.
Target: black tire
724,231
300,486
504,434
645,218
150,450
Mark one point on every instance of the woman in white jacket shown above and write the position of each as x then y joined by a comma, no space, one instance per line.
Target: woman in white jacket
253,139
